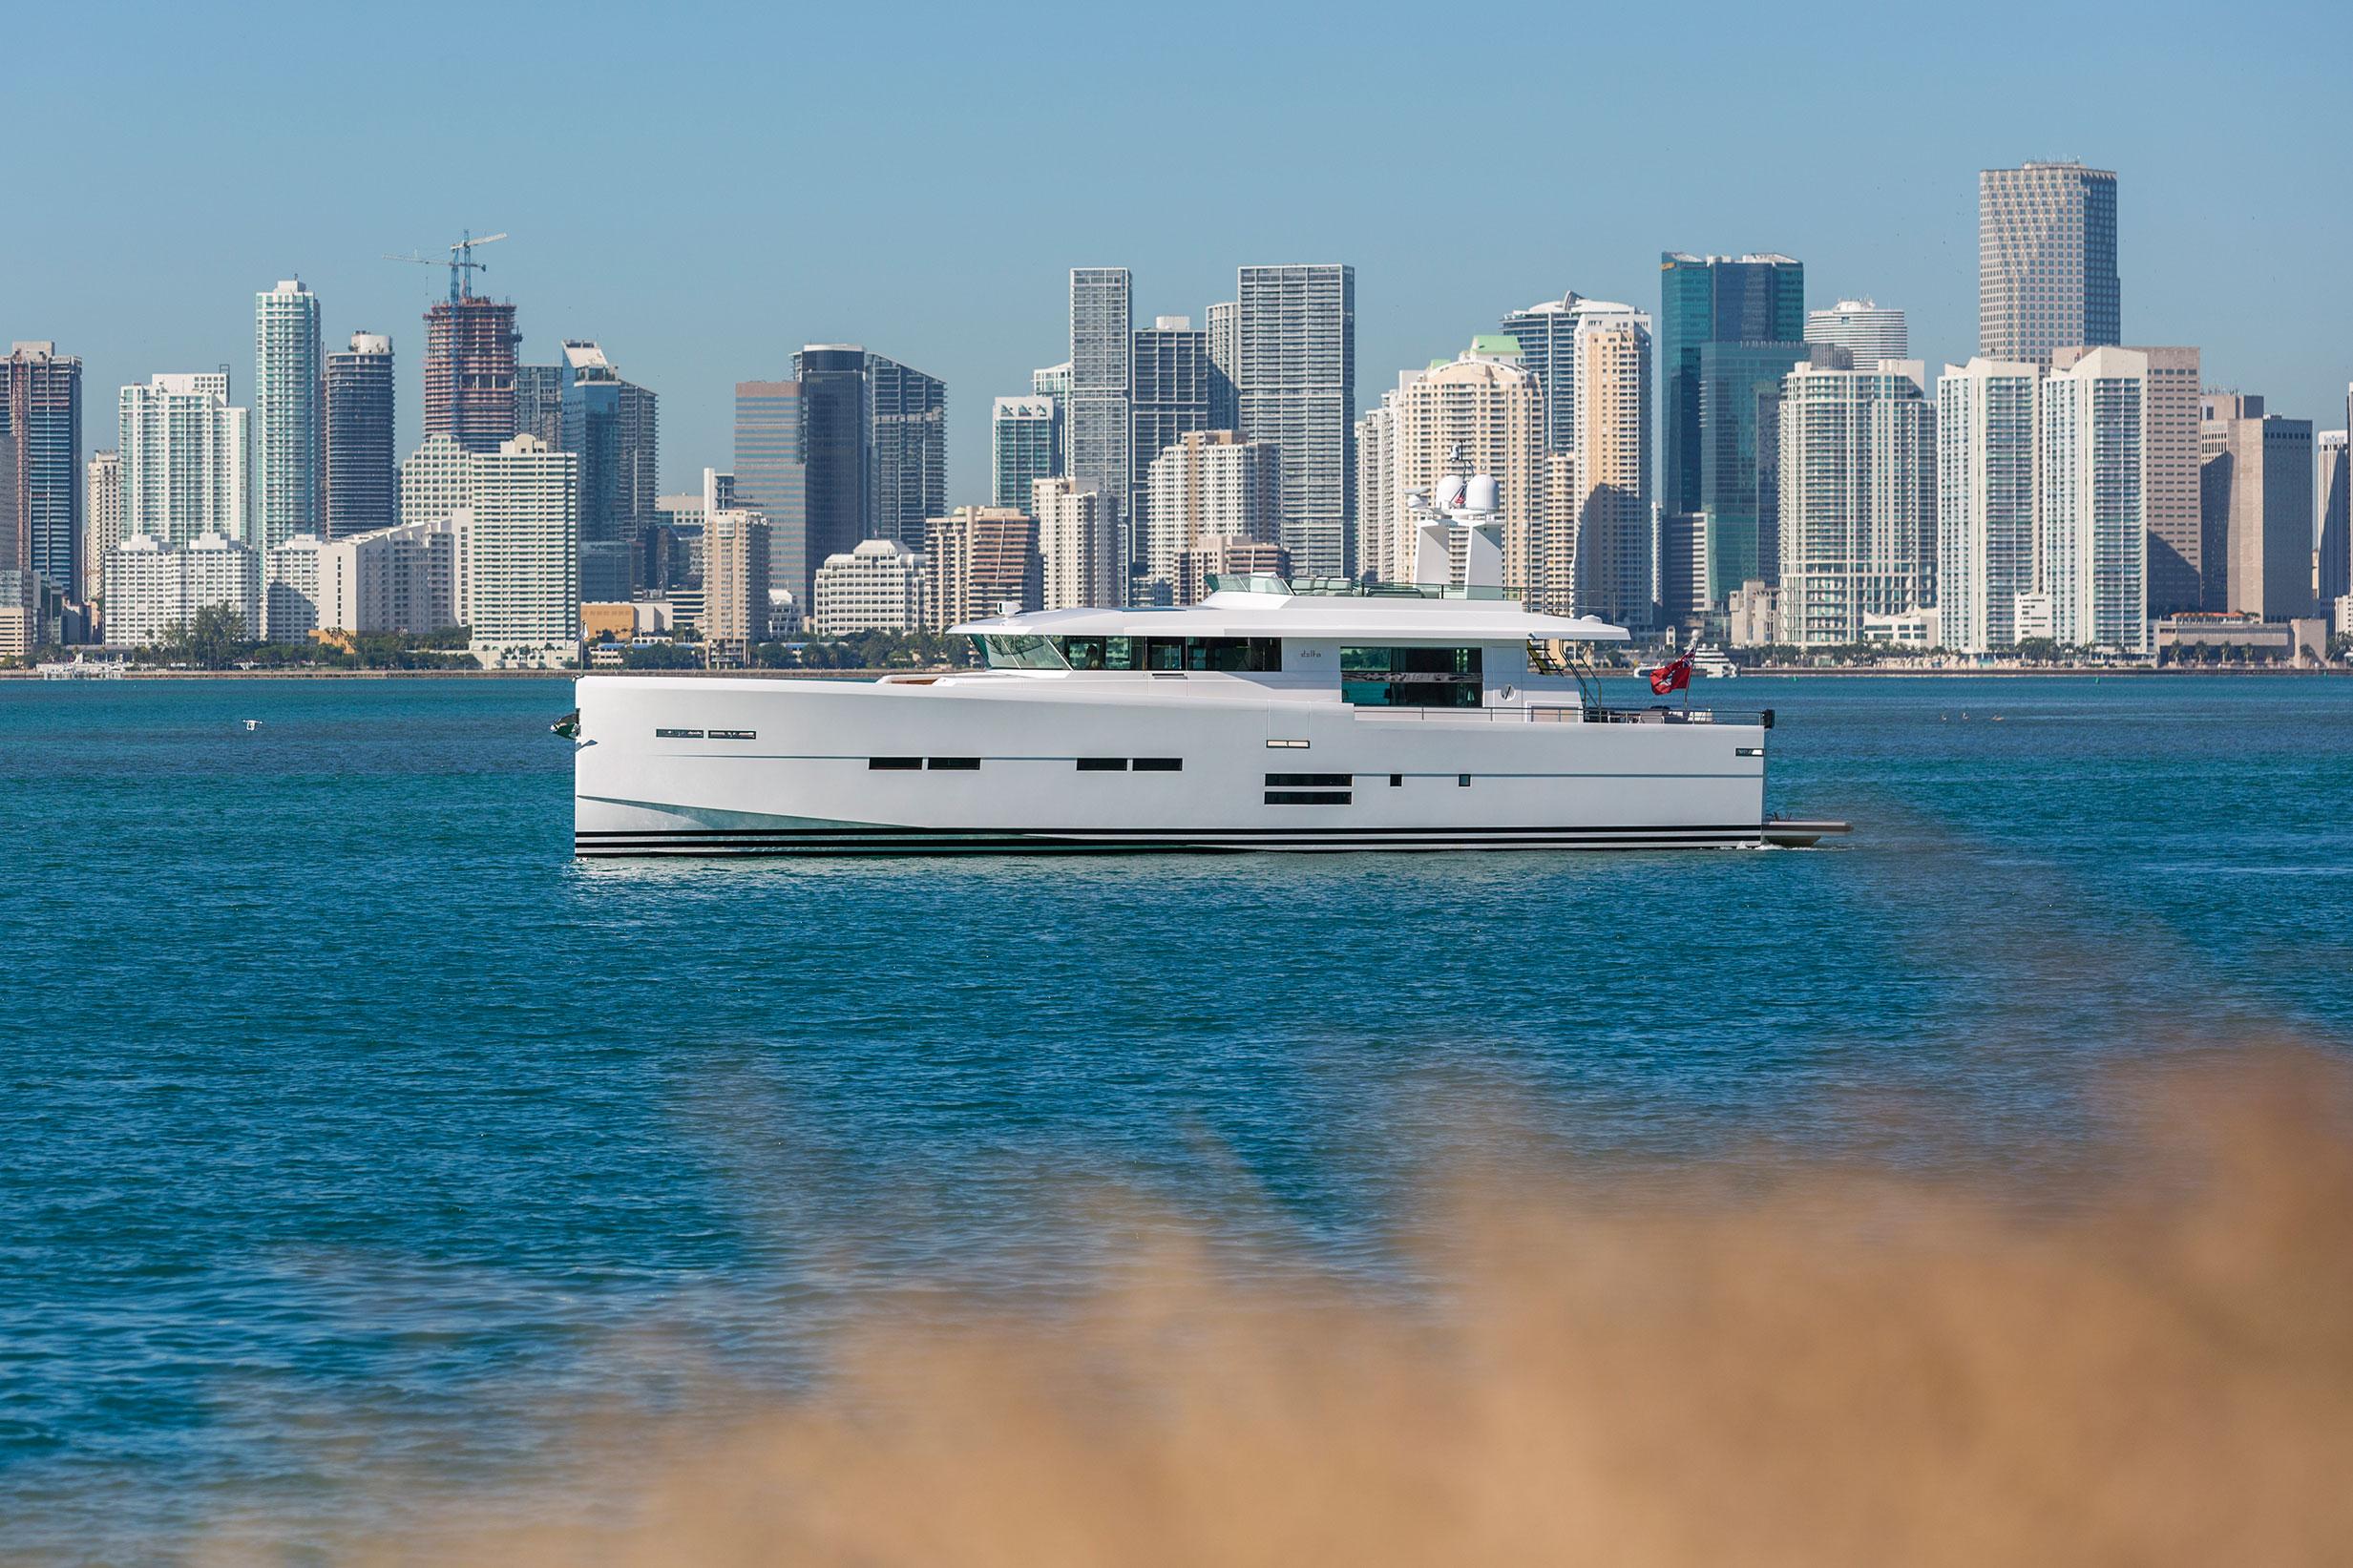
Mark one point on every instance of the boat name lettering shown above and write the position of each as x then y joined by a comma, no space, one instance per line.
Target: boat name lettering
677,735
735,734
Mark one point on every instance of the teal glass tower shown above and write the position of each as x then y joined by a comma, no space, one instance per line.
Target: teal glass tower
1751,311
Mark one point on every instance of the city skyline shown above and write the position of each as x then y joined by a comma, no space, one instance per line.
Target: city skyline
1909,240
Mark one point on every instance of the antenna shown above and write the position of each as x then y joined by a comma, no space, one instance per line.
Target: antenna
460,261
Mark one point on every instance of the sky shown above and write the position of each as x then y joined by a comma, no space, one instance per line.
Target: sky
703,188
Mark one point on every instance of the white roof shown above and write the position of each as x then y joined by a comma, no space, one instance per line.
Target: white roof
1238,613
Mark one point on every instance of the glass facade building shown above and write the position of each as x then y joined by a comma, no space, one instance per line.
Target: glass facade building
771,478
1755,299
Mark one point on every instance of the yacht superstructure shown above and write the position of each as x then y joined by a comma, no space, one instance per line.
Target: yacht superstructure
1275,715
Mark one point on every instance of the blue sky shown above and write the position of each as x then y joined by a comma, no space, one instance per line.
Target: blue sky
703,188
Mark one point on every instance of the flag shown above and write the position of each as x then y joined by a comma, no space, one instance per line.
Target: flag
1673,676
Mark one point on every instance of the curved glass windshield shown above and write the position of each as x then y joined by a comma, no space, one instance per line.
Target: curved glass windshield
1021,651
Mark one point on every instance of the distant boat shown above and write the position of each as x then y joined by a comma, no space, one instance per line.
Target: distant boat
253,723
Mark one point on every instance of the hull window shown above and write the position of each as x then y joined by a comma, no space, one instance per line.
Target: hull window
1160,764
892,765
1308,797
1102,764
1311,780
954,764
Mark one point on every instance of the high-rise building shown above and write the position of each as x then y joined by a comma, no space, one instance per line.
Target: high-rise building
1546,332
1054,380
288,374
1295,386
2046,260
1478,413
470,371
978,558
2332,518
1739,429
41,424
736,552
1864,328
153,587
2170,479
1743,300
183,450
771,478
1985,479
1606,492
1169,377
405,578
1224,318
1024,447
1102,337
1208,488
2257,487
2092,509
877,586
1858,508
539,402
910,446
875,443
613,427
103,531
363,477
523,555
837,453
1382,554
290,589
1081,564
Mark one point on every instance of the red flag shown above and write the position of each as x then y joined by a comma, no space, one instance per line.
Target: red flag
1671,677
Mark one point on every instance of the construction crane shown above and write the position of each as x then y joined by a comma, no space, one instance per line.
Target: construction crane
460,263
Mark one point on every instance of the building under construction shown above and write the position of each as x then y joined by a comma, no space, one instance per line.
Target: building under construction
470,371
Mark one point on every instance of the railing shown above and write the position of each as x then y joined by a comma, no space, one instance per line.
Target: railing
1558,713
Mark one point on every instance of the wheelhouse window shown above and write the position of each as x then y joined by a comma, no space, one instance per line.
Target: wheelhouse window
1239,653
1021,651
1411,678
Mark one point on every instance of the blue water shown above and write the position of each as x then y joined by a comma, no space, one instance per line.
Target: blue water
350,1128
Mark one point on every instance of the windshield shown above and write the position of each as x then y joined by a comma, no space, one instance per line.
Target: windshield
1023,651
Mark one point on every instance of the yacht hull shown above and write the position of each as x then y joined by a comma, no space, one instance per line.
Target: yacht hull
751,766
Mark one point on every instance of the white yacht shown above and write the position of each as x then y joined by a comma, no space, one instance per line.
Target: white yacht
1274,715
1707,661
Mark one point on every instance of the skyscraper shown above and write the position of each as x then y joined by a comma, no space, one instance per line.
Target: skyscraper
288,371
910,446
1864,328
1858,506
1080,563
613,427
1295,385
1739,432
41,420
1169,394
539,402
1102,323
771,479
978,558
1208,488
1054,380
837,449
2091,512
523,555
2046,260
2255,482
2332,518
1478,413
1755,299
1607,570
182,449
1545,333
1024,447
1985,479
363,477
2169,480
103,531
1224,317
470,371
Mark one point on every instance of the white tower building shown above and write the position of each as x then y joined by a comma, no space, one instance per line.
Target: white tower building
182,452
288,386
1077,546
1857,476
523,555
1986,440
1865,328
2092,505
